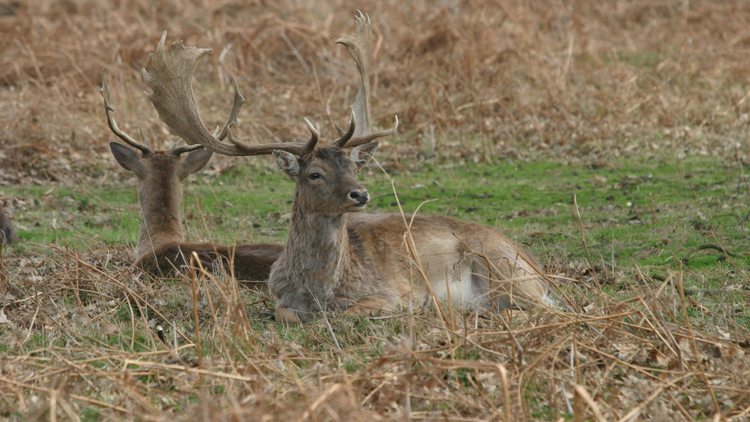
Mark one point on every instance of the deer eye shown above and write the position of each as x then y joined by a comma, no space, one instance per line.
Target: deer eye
314,176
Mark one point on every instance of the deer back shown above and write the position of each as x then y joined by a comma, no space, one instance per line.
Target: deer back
250,262
480,266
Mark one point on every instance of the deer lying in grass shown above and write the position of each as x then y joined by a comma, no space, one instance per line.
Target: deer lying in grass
161,245
8,233
335,258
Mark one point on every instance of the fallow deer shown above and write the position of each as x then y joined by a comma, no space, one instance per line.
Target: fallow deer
161,245
8,233
335,258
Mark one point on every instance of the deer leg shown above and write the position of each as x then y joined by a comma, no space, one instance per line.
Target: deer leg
366,306
293,314
287,315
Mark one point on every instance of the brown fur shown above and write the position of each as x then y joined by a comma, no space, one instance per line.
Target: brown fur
249,262
8,233
361,262
161,248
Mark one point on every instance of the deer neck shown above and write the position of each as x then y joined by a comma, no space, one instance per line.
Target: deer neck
317,250
160,215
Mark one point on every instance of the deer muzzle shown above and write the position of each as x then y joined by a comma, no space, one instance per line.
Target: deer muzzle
359,198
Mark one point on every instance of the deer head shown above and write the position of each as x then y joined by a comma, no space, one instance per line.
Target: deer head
152,168
326,179
160,165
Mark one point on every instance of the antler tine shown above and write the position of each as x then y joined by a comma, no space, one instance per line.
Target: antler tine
335,123
345,137
360,140
310,145
359,47
339,129
111,120
143,136
237,103
174,100
177,150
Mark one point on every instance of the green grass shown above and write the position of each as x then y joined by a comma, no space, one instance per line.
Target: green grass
647,212
639,214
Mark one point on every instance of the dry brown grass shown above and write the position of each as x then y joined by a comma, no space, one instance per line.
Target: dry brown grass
585,78
578,81
96,352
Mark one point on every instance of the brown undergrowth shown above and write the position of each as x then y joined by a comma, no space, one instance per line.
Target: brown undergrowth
109,344
575,80
84,336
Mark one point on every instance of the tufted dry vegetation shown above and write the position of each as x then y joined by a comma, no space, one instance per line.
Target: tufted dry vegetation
84,335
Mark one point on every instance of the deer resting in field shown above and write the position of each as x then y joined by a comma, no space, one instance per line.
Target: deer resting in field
337,258
8,233
161,245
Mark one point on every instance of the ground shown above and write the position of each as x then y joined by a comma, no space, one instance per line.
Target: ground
608,138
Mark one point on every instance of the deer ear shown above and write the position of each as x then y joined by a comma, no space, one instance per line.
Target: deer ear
194,162
361,155
287,162
127,158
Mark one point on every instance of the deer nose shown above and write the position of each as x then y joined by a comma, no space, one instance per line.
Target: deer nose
362,197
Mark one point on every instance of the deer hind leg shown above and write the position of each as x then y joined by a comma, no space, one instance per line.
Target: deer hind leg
521,293
505,285
491,294
490,289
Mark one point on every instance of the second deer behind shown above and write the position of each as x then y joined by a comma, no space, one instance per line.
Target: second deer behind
162,248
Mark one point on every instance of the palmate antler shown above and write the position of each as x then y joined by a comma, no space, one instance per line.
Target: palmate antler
359,47
174,100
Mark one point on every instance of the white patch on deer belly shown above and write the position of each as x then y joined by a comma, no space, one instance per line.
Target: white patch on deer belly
461,292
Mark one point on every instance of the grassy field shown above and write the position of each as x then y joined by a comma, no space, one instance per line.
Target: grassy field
608,138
